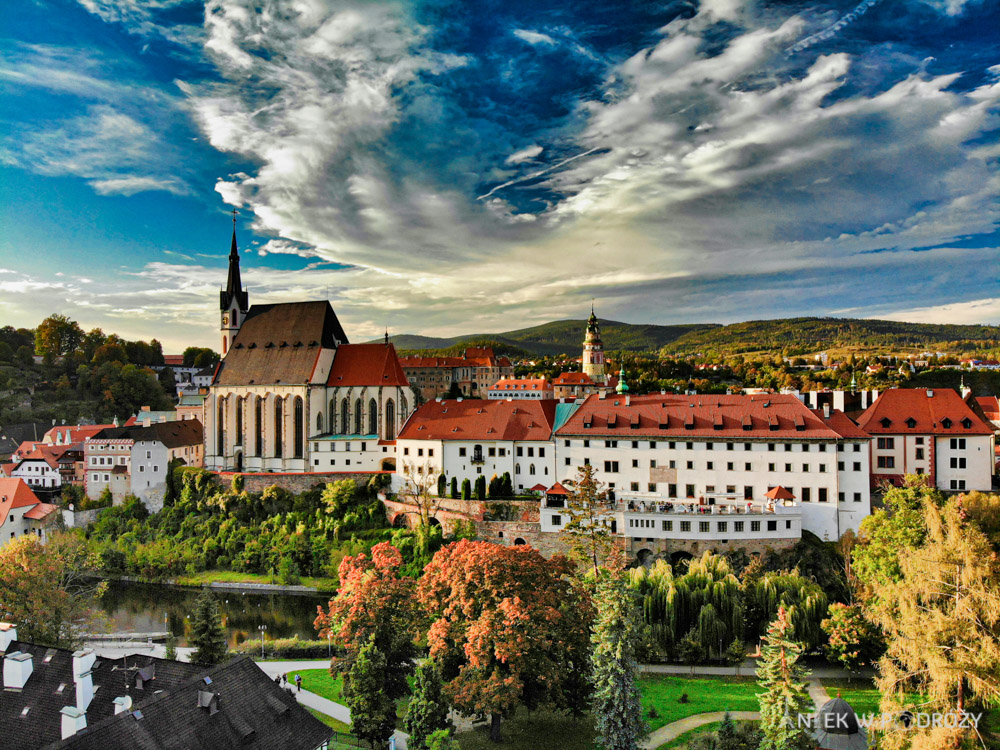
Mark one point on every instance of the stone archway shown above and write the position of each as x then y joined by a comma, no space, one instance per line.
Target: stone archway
645,557
239,461
680,559
388,464
400,521
519,541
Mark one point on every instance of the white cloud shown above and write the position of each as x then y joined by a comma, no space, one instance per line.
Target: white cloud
974,312
525,154
534,37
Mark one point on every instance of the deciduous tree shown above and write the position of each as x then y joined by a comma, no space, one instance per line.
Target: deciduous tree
57,335
852,640
508,628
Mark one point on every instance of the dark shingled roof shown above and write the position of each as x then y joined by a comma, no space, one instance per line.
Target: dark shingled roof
252,712
42,724
280,344
171,434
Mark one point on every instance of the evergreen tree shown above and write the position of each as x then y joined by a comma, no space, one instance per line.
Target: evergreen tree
616,705
427,711
727,737
508,485
207,635
171,647
466,489
588,534
442,485
373,711
691,650
480,487
454,488
785,697
441,740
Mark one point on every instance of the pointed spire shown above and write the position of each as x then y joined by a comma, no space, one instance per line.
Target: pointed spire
387,336
234,284
854,383
622,386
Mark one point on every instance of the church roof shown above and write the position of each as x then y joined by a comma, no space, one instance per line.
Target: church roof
280,344
367,364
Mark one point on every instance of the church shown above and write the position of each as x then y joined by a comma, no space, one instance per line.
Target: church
292,394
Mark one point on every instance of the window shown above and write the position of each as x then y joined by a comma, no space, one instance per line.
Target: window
689,446
840,465
531,452
634,486
746,466
822,447
703,527
919,441
635,463
958,462
611,467
729,446
651,487
709,465
568,462
738,526
609,444
770,467
652,463
557,520
772,525
586,443
857,466
822,468
919,454
299,424
788,524
806,492
278,427
420,451
520,451
685,526
788,467
722,527
668,526
358,426
461,451
958,484
689,490
671,490
492,452
884,443
771,447
709,446
690,465
957,443
788,447
840,497
754,526
729,465
822,495
541,453
886,462
857,497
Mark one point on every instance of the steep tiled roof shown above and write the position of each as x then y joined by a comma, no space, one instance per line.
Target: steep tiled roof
41,727
171,434
418,361
173,360
521,384
477,419
40,511
76,433
990,406
842,425
250,711
14,493
366,364
677,417
280,344
922,412
573,378
50,454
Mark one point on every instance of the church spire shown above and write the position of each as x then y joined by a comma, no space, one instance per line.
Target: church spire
234,293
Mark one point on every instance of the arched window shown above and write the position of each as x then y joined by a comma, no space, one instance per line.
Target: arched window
278,427
319,422
358,427
258,426
372,417
390,420
531,469
402,409
239,420
299,422
220,427
333,415
345,417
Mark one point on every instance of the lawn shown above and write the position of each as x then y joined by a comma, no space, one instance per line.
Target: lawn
322,683
534,730
861,694
323,585
330,721
681,741
663,692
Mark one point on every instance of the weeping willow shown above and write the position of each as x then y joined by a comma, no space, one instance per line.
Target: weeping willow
804,600
706,599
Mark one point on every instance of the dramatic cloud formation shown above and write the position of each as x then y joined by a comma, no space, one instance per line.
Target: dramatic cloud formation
442,171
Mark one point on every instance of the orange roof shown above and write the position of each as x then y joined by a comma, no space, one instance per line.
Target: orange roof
779,493
521,384
990,406
40,511
50,454
682,417
538,488
573,378
481,419
173,360
916,411
366,364
557,489
417,361
474,357
77,433
842,424
14,493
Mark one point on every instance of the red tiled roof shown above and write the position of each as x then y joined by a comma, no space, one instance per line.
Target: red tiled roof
173,360
77,433
40,511
779,493
417,361
50,454
990,406
480,419
573,378
897,409
557,489
14,493
366,364
474,357
539,488
678,417
521,384
842,424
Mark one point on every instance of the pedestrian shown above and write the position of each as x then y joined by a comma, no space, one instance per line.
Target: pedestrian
284,678
277,680
298,682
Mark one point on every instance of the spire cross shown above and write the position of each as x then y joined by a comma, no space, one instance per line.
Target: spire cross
234,217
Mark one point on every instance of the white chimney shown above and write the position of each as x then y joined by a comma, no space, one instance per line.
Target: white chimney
8,634
628,400
83,661
16,670
73,721
123,703
826,411
84,690
930,393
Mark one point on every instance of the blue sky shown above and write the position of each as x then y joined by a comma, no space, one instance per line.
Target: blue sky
439,167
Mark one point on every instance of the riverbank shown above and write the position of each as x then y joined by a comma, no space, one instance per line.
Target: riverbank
226,580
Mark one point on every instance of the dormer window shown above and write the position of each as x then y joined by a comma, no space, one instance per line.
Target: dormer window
966,423
946,423
885,422
911,423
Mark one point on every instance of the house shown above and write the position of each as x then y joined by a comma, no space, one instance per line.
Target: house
573,385
21,512
473,373
469,438
990,407
713,449
56,698
933,432
192,405
521,388
39,467
13,435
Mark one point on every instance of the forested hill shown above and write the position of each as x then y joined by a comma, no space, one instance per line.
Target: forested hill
790,336
560,337
793,336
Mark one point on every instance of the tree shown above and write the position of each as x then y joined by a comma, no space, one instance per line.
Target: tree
198,356
466,489
167,381
736,654
47,589
587,532
480,487
441,740
57,335
207,635
508,628
417,483
442,485
616,701
942,620
853,641
785,697
373,712
427,711
171,647
454,488
374,605
691,650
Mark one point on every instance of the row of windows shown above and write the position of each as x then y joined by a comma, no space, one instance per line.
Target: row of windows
690,491
672,445
612,467
704,527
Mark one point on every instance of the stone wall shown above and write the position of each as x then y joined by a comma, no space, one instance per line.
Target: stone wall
76,519
402,511
296,482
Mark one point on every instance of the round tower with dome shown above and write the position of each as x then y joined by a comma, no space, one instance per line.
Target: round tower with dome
593,350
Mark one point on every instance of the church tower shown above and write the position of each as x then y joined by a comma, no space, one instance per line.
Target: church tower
593,350
233,301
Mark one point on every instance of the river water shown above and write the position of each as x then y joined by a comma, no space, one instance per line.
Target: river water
148,608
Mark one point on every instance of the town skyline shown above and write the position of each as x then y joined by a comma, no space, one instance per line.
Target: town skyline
682,164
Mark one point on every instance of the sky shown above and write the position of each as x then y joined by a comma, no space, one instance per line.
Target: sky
444,167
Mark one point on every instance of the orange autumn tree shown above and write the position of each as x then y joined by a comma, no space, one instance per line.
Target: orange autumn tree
508,628
373,604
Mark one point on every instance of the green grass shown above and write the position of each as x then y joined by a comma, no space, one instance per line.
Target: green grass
533,731
330,721
663,691
320,682
861,694
229,576
682,740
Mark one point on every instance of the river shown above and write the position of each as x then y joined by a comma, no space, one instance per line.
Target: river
147,608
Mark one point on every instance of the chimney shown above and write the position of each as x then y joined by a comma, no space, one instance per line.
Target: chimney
8,634
73,721
122,704
628,400
826,411
83,662
930,393
16,670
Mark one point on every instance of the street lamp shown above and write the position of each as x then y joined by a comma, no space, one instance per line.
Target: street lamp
262,628
329,645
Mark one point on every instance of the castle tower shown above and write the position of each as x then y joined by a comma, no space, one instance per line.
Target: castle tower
233,301
593,351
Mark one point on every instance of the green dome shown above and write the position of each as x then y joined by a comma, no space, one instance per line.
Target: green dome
622,386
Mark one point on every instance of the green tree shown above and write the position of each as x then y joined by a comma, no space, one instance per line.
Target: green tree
454,488
373,711
207,635
736,654
785,697
691,650
616,700
466,489
588,534
852,641
171,647
442,485
441,740
57,335
480,487
427,710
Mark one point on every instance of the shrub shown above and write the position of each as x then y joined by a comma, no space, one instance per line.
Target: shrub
286,648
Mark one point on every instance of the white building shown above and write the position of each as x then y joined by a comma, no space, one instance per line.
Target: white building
40,468
21,512
469,438
535,389
934,432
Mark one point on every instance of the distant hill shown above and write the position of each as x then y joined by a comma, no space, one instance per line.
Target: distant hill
560,337
804,335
